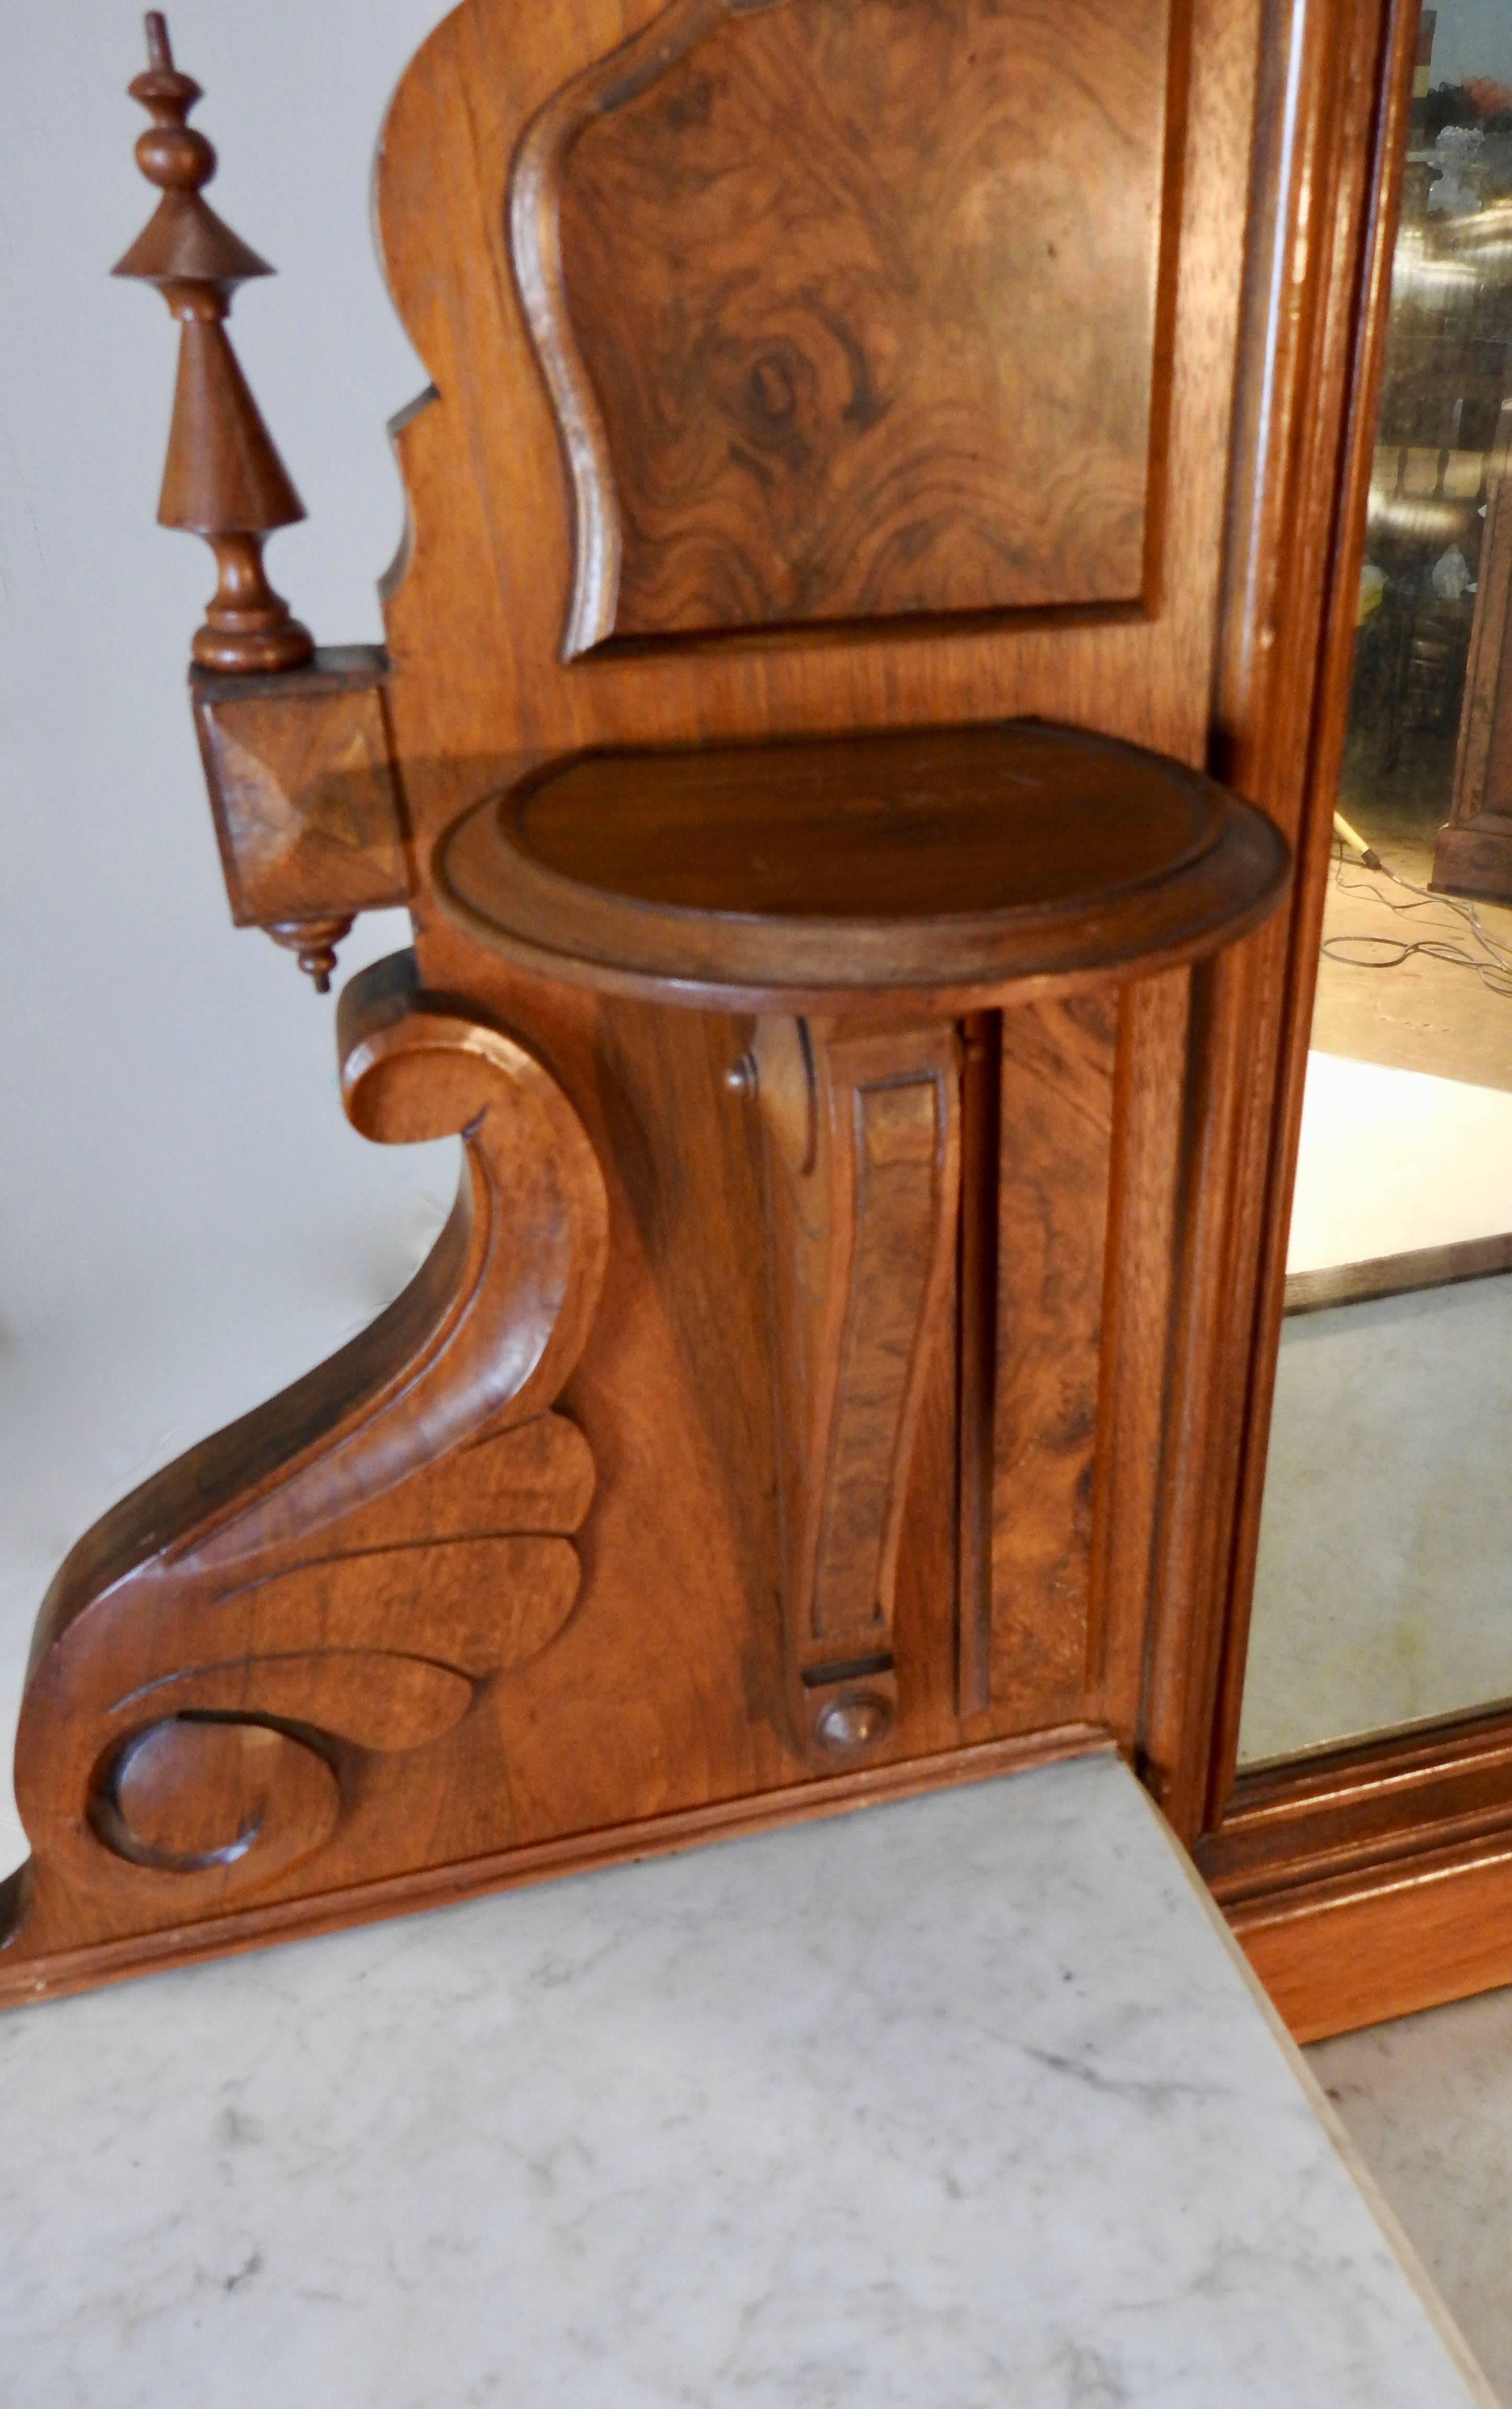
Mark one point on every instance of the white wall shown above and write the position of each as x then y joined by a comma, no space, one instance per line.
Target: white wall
186,1221
1471,37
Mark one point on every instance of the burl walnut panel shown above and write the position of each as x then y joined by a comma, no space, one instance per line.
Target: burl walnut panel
1056,1125
848,308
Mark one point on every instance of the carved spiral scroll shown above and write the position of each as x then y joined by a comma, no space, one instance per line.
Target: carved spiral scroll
270,1667
191,1793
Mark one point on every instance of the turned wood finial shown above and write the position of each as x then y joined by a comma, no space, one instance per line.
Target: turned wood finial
314,945
223,480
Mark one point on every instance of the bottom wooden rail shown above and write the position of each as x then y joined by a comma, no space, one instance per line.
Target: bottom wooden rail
1371,1880
26,1979
1370,1946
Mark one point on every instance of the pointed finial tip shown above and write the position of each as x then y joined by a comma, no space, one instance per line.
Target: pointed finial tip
159,48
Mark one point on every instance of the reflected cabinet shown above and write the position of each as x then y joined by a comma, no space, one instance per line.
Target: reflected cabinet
885,624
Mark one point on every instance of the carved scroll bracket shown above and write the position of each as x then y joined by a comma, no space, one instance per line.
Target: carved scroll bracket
862,1131
269,1671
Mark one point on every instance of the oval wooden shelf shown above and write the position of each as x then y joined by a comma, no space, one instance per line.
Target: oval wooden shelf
943,866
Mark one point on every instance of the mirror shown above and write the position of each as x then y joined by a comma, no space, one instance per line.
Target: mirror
1384,1587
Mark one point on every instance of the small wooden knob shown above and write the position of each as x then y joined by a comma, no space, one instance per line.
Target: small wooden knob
856,1721
313,943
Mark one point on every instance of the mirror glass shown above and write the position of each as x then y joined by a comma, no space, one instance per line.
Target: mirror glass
1384,1593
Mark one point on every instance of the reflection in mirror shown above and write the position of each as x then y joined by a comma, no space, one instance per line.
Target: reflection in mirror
1384,1588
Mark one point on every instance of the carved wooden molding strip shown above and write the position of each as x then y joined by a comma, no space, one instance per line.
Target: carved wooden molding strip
863,1154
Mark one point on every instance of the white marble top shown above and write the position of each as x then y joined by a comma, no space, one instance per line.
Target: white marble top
957,2104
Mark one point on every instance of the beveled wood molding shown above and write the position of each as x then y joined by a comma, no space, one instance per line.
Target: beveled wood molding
1374,1879
1323,194
223,480
1416,1935
1362,1804
68,1970
267,1673
851,315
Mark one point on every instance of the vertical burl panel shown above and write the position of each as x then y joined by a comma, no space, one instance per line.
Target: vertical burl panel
1054,1158
848,308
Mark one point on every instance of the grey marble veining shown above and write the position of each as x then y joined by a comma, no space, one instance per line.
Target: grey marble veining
958,2102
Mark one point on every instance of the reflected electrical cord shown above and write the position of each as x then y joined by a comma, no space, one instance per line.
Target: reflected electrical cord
1364,951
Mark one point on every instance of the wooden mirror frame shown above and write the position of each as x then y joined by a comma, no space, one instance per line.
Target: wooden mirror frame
1371,1878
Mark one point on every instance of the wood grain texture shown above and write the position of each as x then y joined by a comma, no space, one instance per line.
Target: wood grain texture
849,310
977,1347
489,571
671,1387
275,1662
61,1971
1439,1929
1362,1806
1403,1913
1309,390
1203,1403
1374,1879
660,1712
1371,1880
1056,1135
936,870
304,795
1126,1605
862,1149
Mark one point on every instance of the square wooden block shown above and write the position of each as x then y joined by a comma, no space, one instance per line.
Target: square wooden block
302,785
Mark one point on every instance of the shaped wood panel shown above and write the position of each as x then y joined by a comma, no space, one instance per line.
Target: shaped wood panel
848,308
1056,1138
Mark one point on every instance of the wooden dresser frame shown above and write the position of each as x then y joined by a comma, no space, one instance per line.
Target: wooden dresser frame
578,574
